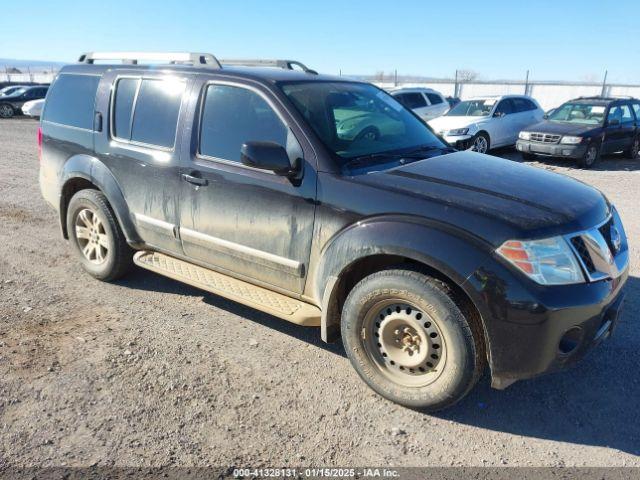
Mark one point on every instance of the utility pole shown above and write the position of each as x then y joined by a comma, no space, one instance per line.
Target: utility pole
604,83
456,92
395,78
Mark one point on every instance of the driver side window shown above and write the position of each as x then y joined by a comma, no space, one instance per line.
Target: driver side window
234,115
505,107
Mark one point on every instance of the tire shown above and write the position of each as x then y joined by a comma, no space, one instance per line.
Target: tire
369,133
96,237
590,157
528,156
480,143
7,110
634,149
395,311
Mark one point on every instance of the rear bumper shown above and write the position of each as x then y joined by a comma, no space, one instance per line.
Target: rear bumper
551,150
533,330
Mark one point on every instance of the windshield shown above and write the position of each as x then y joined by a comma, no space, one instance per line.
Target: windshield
358,119
12,90
580,113
473,108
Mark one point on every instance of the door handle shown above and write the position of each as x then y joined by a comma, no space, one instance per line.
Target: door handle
200,182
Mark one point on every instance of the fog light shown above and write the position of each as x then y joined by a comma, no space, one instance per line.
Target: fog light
570,341
566,152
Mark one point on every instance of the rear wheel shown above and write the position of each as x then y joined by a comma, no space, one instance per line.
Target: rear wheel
634,149
6,110
409,340
96,236
590,157
480,143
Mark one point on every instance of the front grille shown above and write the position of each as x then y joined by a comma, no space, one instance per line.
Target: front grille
544,137
605,230
581,249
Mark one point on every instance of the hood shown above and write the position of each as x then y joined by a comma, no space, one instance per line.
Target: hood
449,122
561,128
494,197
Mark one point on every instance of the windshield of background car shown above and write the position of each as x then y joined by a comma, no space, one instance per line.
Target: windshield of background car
358,119
473,108
580,113
12,91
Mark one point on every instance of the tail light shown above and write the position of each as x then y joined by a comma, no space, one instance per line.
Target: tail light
40,143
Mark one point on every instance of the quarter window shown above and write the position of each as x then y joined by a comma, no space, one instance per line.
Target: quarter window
71,101
232,116
434,98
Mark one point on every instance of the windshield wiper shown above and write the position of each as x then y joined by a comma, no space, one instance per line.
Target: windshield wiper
417,153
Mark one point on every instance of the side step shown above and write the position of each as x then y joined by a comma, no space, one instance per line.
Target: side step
259,298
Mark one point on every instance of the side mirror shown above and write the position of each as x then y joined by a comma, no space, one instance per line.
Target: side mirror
613,122
546,116
498,114
267,156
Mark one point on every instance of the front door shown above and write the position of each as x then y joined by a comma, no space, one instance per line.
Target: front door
140,114
237,219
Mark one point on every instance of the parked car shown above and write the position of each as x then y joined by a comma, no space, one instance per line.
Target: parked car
12,104
429,263
425,102
8,90
585,128
33,108
483,123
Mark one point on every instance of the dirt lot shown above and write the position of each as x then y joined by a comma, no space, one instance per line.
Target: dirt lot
150,372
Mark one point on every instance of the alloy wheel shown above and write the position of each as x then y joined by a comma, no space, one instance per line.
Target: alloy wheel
591,155
479,144
91,236
6,111
404,343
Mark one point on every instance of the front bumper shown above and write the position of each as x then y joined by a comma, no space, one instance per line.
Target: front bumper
459,142
551,149
531,329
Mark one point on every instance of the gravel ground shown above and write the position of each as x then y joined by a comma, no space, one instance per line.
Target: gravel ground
149,372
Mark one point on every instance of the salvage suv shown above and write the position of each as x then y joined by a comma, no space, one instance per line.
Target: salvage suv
430,263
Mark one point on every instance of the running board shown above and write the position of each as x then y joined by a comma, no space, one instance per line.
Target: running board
225,286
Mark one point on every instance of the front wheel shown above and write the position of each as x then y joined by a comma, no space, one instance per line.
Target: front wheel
480,143
408,338
634,149
590,157
96,236
6,110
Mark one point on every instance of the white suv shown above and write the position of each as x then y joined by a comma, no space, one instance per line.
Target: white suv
425,102
482,123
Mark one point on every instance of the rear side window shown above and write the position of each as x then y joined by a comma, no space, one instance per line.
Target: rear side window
146,111
411,100
232,116
126,89
71,101
434,98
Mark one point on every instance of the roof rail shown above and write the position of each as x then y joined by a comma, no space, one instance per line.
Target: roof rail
286,64
204,60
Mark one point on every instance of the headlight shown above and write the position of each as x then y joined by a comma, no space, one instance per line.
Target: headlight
524,135
548,262
457,131
571,140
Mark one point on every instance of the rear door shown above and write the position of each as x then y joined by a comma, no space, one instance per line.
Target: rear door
439,105
140,113
619,129
237,219
504,124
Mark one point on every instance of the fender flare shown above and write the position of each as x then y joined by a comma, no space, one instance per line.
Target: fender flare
94,171
454,253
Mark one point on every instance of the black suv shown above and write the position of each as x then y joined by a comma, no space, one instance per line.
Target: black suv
585,128
11,104
325,202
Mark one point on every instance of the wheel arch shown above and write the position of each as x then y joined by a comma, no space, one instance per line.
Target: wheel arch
85,172
380,243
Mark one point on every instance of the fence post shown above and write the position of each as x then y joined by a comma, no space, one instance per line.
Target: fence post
456,92
395,77
604,84
526,84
